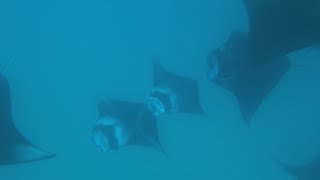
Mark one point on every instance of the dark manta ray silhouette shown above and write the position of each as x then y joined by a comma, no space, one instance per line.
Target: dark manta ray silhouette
251,64
308,172
14,147
172,93
278,27
249,82
124,124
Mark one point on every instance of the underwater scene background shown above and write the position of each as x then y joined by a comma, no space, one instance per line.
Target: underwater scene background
59,55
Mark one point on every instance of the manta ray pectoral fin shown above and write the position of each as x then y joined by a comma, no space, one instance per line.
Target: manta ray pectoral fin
158,146
146,141
160,74
146,131
191,104
249,105
257,83
22,153
15,149
308,172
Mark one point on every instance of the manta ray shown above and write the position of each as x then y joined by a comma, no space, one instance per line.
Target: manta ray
172,93
123,124
250,64
14,147
249,82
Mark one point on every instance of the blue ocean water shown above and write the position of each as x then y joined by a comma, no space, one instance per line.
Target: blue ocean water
64,53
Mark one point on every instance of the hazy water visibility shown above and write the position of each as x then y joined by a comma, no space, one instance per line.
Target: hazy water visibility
66,52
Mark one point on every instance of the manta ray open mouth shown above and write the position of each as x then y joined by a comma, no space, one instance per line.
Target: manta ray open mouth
100,140
162,101
108,135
